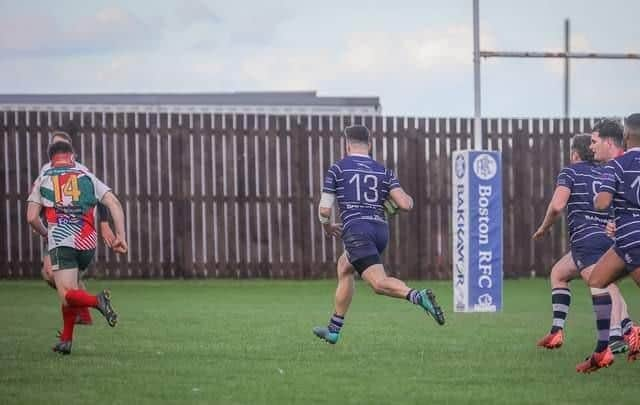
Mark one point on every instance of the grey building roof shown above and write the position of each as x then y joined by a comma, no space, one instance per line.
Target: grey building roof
298,98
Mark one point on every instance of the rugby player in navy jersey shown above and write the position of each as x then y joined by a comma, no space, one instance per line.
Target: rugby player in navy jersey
575,190
607,144
620,188
361,186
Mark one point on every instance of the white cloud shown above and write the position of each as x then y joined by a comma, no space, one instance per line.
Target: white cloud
365,56
108,29
449,47
22,32
417,57
192,12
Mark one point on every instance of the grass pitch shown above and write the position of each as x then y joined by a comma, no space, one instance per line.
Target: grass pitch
250,342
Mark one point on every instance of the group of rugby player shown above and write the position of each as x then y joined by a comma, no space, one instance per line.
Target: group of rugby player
67,193
600,190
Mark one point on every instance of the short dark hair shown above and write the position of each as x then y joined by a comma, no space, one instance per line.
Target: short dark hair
357,134
61,134
59,147
611,129
580,143
632,124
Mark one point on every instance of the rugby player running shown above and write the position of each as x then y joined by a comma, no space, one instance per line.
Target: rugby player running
588,241
620,189
361,186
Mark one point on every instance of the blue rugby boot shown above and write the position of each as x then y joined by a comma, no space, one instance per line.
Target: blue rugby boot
430,305
325,334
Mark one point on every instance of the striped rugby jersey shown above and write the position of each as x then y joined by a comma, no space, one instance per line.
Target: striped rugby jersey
46,167
361,186
103,212
68,194
621,177
583,221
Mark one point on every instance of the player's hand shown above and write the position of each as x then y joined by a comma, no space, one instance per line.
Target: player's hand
107,234
611,229
38,233
334,230
119,245
539,234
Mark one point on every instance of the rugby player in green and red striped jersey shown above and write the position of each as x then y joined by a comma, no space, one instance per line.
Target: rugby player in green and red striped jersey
68,195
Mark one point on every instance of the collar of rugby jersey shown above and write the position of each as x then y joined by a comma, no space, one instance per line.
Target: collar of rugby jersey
636,149
62,159
359,155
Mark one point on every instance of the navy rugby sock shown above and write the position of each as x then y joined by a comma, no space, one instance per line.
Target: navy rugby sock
413,297
335,323
602,309
626,325
560,301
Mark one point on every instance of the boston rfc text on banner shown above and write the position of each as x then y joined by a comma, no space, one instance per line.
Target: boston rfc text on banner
477,231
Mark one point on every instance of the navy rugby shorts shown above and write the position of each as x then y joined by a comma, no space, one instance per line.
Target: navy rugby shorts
364,241
588,251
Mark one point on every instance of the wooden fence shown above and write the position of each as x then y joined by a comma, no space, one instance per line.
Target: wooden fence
210,195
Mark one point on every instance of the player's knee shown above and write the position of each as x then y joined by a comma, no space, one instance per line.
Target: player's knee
62,293
556,277
46,275
597,282
344,268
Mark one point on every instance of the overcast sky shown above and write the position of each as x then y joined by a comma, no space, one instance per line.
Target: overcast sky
415,55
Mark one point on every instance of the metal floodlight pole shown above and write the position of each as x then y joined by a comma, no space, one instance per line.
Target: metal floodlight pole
477,110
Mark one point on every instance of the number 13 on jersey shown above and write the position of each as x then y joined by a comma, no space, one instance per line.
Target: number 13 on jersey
370,182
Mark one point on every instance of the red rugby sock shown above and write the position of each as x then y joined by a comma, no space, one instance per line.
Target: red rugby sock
69,320
85,315
80,298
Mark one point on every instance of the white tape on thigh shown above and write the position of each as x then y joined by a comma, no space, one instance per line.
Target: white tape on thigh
599,291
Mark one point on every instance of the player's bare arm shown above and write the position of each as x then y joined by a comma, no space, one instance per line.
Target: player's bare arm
33,217
324,215
603,200
105,229
554,210
401,198
119,244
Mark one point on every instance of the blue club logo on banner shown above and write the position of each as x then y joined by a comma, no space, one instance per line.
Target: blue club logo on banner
485,166
477,231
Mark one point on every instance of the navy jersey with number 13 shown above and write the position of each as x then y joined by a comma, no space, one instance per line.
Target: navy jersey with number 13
361,186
